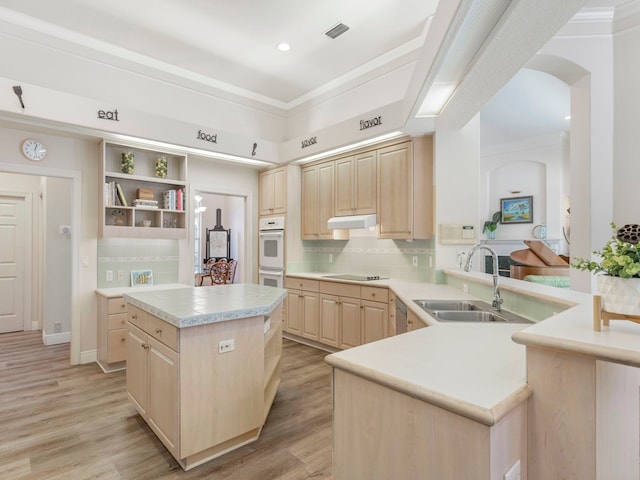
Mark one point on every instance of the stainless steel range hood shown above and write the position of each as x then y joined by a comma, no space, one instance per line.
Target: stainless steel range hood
351,222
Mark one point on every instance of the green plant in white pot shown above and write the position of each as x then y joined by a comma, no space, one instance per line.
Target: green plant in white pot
618,271
490,226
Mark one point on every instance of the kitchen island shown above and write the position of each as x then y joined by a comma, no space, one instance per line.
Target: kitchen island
203,365
555,399
447,401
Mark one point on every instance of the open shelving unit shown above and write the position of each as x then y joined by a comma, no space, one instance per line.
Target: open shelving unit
129,221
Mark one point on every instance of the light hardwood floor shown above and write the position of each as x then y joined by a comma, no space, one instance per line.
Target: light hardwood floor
75,422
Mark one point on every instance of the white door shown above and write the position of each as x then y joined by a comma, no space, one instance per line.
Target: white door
12,263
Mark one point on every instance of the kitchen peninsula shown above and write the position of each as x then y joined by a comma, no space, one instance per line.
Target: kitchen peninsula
203,365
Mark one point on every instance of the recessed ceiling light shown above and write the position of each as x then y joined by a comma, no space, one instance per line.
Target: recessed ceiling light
284,47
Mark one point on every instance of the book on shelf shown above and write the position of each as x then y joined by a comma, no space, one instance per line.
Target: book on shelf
169,198
120,195
145,203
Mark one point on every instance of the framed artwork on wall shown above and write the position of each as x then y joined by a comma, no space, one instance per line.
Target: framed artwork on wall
218,243
516,210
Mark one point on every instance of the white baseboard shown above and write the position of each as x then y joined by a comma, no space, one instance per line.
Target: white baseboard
89,356
56,338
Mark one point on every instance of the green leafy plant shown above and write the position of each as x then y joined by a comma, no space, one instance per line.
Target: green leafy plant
492,225
617,259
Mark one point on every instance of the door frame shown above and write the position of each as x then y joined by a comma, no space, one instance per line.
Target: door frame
76,207
248,265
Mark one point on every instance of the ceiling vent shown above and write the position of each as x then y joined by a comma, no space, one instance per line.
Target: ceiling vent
336,31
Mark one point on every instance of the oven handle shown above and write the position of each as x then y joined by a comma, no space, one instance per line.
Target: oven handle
271,233
274,273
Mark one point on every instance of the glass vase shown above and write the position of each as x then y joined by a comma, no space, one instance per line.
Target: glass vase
161,167
127,162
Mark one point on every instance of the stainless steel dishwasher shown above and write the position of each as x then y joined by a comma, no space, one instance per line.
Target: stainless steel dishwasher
401,317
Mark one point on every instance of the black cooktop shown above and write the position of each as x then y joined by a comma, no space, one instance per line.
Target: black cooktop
355,278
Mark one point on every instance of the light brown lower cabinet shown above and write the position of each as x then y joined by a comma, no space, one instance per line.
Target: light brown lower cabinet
112,333
199,402
413,322
379,432
336,314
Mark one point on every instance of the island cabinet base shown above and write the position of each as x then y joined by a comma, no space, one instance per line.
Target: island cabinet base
200,399
379,432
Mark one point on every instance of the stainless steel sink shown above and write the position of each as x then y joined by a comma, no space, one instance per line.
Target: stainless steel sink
467,311
453,305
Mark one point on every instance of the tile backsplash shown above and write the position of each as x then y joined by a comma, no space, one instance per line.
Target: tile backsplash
368,255
122,255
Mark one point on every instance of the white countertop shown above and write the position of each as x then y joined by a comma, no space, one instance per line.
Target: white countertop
112,292
479,370
191,306
472,369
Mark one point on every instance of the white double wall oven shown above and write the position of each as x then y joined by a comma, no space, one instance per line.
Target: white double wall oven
271,251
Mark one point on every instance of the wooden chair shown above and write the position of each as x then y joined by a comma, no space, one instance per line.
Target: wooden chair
232,270
219,272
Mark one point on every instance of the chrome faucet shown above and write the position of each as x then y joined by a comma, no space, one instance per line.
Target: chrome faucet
497,301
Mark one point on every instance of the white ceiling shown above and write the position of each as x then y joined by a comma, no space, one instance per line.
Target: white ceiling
232,44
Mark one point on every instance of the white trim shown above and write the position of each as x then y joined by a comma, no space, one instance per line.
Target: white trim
89,356
248,267
56,338
76,208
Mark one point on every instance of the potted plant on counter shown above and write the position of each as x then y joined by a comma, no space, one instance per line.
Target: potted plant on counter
490,226
618,270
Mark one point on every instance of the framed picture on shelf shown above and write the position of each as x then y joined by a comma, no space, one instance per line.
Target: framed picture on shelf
141,277
516,210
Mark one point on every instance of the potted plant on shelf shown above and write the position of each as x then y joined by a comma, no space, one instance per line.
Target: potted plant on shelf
618,270
490,226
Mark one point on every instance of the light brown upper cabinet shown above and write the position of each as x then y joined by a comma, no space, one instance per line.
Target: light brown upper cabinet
317,200
405,190
273,191
356,184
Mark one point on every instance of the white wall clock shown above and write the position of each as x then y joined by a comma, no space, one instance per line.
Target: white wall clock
33,149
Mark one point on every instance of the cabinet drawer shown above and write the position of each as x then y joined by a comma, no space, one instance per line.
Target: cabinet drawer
116,321
375,294
117,345
340,289
302,284
116,305
138,317
163,331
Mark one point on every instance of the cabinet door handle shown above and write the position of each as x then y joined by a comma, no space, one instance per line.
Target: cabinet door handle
123,305
158,331
123,340
145,346
134,317
373,294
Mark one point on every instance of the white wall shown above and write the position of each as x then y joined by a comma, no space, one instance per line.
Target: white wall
456,180
57,297
626,155
68,158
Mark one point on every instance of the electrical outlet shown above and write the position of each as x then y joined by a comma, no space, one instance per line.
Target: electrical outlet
109,276
120,275
225,346
465,288
415,261
514,472
331,258
57,327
